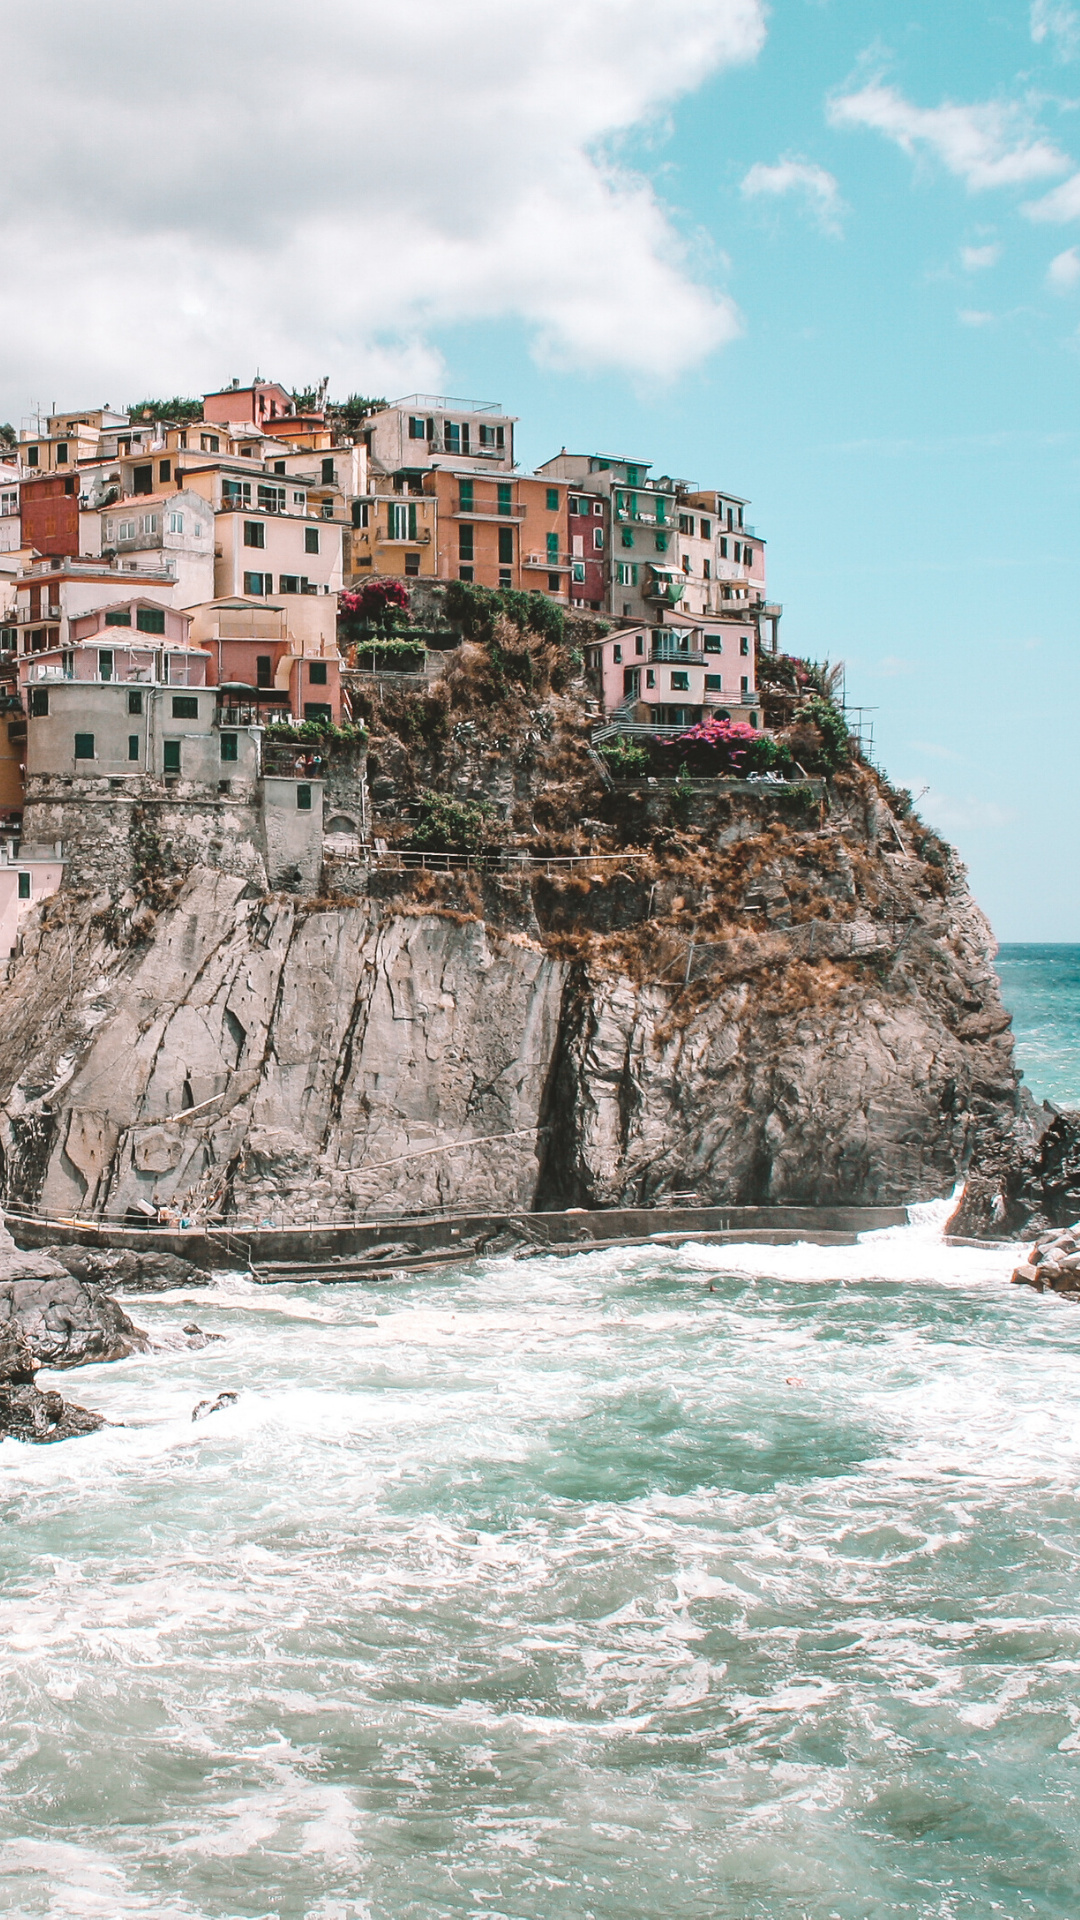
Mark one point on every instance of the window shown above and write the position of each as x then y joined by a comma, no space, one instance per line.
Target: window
714,683
598,539
328,474
164,470
417,430
256,583
452,437
176,523
230,746
150,619
254,533
505,503
617,654
626,574
263,670
171,756
9,503
105,664
706,569
553,499
577,571
632,476
661,543
288,583
185,706
142,478
400,520
627,537
69,487
412,564
639,643
236,493
24,886
210,443
744,684
506,546
554,583
279,466
748,556
271,499
317,673
133,746
118,617
465,543
598,506
31,456
84,746
126,530
61,453
39,702
650,677
465,573
359,513
317,710
303,798
744,645
134,700
311,539
553,546
687,564
723,547
466,496
680,682
300,500
149,523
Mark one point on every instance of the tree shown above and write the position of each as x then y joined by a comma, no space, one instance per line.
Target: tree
7,436
179,410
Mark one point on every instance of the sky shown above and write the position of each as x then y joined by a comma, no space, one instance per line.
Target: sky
822,253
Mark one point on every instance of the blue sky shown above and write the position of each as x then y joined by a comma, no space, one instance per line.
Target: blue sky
821,254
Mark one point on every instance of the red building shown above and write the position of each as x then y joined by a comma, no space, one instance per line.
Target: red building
49,509
587,519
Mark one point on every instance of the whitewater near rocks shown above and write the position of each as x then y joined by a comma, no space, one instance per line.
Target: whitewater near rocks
725,1580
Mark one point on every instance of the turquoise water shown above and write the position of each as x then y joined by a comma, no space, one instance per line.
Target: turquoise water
708,1584
1041,988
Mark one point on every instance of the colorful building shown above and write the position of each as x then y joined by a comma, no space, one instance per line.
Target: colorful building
677,674
427,430
508,532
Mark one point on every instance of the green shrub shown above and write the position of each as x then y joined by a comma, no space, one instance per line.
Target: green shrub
835,738
626,759
451,826
302,731
474,611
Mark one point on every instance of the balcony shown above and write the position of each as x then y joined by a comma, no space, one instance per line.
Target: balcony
546,562
672,654
487,513
421,538
22,617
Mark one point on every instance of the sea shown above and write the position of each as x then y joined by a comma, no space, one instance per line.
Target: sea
683,1584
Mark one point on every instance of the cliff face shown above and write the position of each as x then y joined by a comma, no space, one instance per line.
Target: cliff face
833,1033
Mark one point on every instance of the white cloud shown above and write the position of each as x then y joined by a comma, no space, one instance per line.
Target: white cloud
974,259
1064,270
207,187
818,189
1060,24
1059,206
974,317
987,145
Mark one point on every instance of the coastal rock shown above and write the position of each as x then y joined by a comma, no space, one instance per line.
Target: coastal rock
1024,1179
68,1323
1052,1264
25,1412
127,1270
205,1407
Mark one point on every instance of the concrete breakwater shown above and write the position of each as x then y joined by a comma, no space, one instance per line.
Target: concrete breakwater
358,1250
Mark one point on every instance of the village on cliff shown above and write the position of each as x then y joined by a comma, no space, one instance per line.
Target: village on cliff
190,593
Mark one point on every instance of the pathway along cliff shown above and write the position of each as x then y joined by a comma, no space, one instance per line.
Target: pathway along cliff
773,996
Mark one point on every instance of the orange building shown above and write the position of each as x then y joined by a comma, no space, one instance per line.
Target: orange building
502,532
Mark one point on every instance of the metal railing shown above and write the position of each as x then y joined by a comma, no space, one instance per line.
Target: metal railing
497,860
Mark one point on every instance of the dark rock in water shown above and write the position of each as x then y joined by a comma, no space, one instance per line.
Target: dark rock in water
1011,1190
206,1407
128,1270
67,1323
189,1336
25,1412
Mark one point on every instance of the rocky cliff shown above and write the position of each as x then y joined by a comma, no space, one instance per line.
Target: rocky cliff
748,996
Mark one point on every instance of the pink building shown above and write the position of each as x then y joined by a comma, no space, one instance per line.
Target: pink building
677,674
